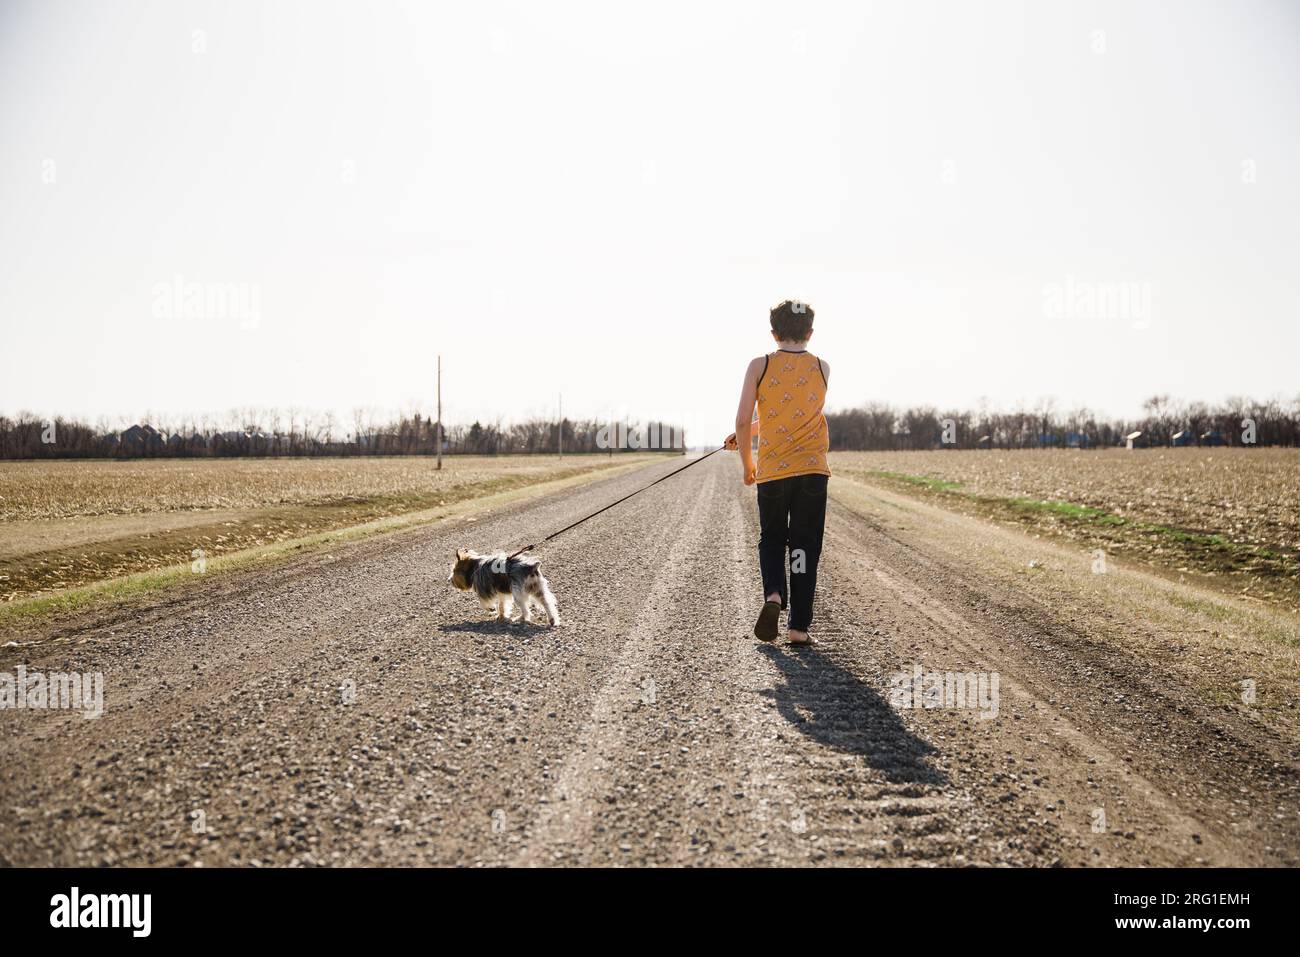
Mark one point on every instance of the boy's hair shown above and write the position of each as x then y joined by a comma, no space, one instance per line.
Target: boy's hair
792,320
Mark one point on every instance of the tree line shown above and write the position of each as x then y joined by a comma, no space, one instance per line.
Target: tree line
1165,421
271,433
872,427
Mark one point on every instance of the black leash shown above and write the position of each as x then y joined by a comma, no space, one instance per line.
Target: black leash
612,504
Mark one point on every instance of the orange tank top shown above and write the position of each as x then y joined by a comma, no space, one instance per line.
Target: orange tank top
792,434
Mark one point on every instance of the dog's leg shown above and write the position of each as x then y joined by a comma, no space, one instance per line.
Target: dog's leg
521,601
503,607
547,600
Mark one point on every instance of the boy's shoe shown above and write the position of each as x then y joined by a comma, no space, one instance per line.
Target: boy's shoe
769,621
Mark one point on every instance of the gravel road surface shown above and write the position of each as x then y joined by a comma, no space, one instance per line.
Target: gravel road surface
350,708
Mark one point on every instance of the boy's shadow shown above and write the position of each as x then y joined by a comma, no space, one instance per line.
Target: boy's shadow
832,706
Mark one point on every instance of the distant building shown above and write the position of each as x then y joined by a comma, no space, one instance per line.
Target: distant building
141,440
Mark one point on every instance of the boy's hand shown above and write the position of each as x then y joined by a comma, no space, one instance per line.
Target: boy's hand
748,469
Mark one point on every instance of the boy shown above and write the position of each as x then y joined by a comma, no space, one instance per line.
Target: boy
788,387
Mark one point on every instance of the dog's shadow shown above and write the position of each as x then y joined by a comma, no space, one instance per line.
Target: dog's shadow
491,626
832,706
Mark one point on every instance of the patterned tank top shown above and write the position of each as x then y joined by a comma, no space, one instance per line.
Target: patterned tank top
792,434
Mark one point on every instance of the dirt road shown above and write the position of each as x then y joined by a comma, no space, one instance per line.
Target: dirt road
350,708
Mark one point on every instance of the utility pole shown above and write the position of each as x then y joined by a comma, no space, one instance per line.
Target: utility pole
437,438
560,435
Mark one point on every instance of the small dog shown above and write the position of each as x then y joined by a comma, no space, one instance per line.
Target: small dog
497,579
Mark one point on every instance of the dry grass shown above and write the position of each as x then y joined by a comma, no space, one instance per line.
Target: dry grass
1231,513
1250,495
72,524
62,490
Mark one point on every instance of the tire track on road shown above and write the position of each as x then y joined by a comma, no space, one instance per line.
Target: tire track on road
563,823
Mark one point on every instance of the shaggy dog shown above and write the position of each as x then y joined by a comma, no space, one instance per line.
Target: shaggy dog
497,580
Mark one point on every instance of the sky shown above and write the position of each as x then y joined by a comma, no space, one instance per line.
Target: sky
207,206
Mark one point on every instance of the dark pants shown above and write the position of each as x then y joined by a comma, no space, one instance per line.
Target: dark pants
791,513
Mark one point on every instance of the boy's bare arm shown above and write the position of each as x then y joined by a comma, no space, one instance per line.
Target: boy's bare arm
742,438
